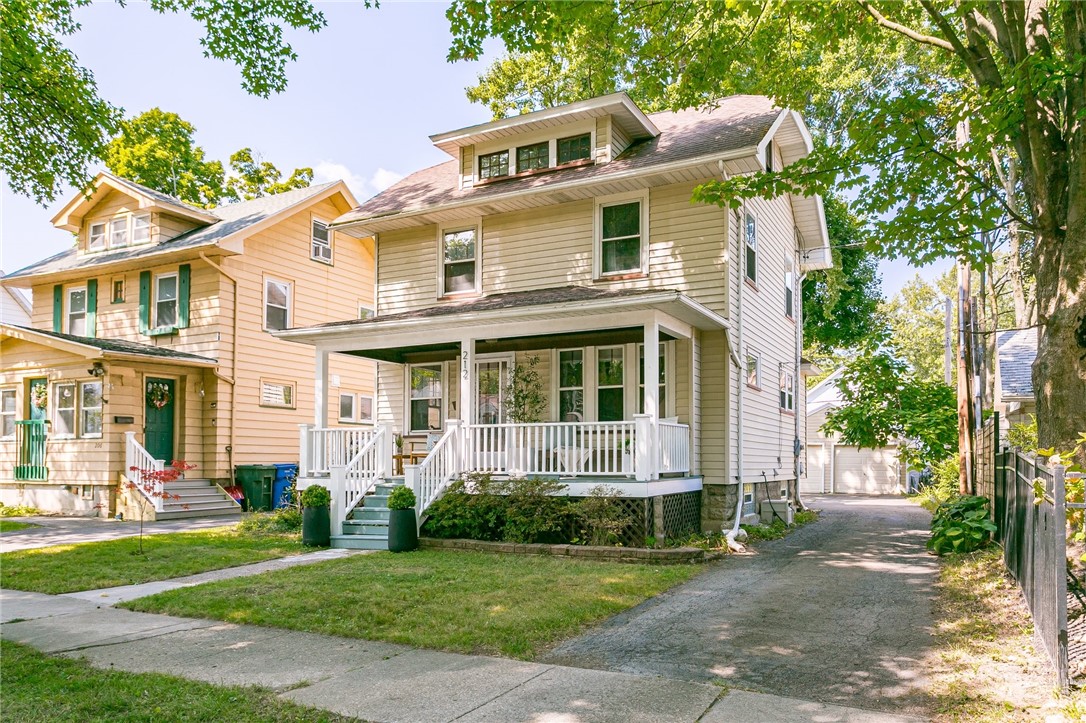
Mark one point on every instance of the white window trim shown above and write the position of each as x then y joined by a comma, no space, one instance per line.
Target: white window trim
444,396
68,307
788,388
54,403
132,228
475,224
14,413
625,380
79,409
127,232
176,299
103,242
353,417
313,242
272,382
667,350
373,408
748,493
757,370
556,382
289,307
597,233
746,244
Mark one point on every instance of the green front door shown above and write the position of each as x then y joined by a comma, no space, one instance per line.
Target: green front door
158,427
38,390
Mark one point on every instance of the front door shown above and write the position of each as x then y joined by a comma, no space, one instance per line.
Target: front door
491,378
158,427
38,399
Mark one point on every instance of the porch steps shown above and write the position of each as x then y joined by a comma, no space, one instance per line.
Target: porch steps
198,498
367,526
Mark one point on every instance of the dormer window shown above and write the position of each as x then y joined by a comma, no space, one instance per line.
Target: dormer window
575,148
537,155
141,228
118,232
494,165
97,238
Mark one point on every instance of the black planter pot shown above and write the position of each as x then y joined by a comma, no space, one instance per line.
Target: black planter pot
316,527
403,533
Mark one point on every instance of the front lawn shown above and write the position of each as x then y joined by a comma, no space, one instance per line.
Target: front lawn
42,688
466,602
93,565
12,525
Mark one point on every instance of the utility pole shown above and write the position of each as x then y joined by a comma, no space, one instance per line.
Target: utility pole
948,343
966,480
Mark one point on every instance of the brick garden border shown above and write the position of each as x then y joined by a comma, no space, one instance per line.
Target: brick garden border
642,555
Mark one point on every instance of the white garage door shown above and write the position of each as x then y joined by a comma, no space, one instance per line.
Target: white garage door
865,471
815,482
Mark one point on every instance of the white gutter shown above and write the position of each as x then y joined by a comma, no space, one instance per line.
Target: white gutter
740,381
797,296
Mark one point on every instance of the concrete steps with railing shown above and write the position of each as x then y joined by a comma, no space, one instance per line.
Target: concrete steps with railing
198,498
366,528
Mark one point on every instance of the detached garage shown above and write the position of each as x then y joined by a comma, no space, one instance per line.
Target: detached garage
834,468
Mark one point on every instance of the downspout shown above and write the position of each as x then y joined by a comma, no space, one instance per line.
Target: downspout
232,379
740,382
801,442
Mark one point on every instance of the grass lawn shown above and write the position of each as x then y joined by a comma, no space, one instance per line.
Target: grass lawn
466,602
12,525
93,565
42,688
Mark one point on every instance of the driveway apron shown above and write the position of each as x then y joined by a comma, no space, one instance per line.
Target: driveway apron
839,612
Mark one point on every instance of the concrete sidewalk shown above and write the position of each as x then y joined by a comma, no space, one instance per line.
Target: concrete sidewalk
73,530
380,681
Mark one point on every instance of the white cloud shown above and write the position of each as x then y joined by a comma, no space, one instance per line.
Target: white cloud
361,186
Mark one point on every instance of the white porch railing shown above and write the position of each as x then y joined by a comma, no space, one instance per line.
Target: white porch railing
325,448
566,448
442,465
673,445
350,482
137,459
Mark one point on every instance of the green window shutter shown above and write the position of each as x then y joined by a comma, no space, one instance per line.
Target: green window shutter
58,308
145,301
92,308
183,273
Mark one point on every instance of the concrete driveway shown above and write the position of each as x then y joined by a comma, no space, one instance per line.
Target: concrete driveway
838,612
71,530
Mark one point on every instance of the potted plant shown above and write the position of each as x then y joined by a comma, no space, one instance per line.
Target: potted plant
316,526
403,531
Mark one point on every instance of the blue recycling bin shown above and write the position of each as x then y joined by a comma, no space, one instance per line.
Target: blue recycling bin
283,475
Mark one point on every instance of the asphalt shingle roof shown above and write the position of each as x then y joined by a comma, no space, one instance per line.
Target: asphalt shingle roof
737,122
1017,350
122,346
233,217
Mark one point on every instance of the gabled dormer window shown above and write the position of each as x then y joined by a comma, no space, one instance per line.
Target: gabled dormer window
494,165
537,155
96,239
118,232
141,228
574,148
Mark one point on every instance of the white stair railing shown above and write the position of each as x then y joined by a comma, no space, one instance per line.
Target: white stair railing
442,465
352,481
323,448
674,447
138,460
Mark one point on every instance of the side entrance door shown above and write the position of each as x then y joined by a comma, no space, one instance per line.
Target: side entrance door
159,418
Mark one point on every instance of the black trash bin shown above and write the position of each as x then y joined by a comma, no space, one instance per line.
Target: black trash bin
257,482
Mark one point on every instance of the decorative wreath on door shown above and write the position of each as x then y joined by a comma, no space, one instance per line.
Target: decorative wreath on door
158,394
39,396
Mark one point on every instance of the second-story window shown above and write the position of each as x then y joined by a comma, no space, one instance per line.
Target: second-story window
751,238
790,293
276,305
141,228
165,301
321,249
620,238
458,261
788,398
96,238
534,156
118,232
77,311
575,148
753,370
494,165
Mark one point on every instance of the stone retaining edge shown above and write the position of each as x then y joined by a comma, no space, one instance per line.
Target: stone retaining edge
642,555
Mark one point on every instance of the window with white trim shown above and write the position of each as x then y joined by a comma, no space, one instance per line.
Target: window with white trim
424,403
96,237
141,228
621,246
90,409
790,292
76,315
788,398
276,304
748,493
321,247
347,408
459,261
165,300
118,232
277,394
86,492
754,363
610,384
571,385
64,409
751,239
661,410
7,413
365,408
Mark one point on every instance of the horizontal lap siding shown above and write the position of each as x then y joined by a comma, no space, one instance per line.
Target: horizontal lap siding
408,270
538,249
713,359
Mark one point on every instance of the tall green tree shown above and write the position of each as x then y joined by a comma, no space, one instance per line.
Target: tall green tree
254,177
916,320
54,124
1014,71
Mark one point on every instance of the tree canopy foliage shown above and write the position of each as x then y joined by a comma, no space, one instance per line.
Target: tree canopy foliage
53,123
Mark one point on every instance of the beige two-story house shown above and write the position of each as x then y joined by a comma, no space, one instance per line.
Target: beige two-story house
667,332
151,340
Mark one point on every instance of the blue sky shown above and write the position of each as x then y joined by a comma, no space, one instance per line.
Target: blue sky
364,95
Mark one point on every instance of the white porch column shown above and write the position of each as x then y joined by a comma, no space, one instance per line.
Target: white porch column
466,409
652,369
320,390
303,449
385,449
646,448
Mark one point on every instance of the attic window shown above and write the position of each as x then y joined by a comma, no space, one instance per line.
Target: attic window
118,232
321,249
141,228
97,238
537,155
494,165
574,148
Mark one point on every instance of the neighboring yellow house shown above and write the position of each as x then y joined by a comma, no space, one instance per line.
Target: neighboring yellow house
151,341
667,333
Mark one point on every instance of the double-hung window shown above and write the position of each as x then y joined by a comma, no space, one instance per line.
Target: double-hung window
118,232
7,413
321,248
753,370
751,260
788,399
621,238
141,228
610,384
165,301
574,148
347,408
90,409
276,304
790,293
494,165
425,398
365,408
96,239
661,409
458,267
530,158
64,410
571,385
77,311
